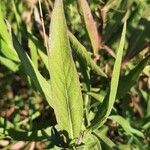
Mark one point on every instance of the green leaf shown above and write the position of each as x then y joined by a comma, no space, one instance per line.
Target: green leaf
44,58
126,82
40,83
65,86
33,52
8,50
98,96
6,47
91,142
105,109
83,55
3,28
36,44
103,136
9,130
116,72
9,64
126,126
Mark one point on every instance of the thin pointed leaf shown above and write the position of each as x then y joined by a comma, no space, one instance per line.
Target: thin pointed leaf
40,83
105,139
33,52
8,51
82,54
105,109
126,126
65,86
126,82
90,24
9,64
3,28
41,49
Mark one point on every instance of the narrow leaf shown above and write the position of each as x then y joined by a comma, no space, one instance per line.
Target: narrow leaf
116,72
8,50
105,109
90,24
6,47
33,52
40,83
9,64
126,126
3,28
83,55
105,139
41,49
126,82
65,86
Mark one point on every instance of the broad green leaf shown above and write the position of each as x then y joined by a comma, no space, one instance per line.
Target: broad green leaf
40,83
105,109
65,86
83,55
126,82
126,126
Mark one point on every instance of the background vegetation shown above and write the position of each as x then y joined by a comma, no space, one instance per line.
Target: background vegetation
110,43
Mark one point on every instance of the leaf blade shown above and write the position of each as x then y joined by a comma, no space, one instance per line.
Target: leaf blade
90,24
105,109
64,79
39,81
83,55
126,82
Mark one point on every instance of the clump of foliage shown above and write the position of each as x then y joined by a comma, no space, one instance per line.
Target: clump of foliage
75,74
